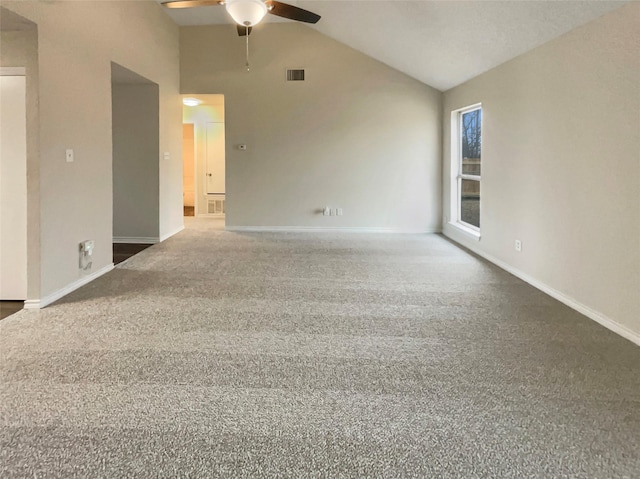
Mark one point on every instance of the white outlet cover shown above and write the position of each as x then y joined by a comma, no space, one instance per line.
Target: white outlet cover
69,155
87,246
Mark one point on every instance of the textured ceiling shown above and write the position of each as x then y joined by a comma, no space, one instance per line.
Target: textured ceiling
441,43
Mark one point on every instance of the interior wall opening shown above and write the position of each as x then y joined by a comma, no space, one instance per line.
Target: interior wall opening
136,162
19,163
13,187
204,182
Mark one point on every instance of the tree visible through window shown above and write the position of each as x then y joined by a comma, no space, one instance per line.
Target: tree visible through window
470,166
471,134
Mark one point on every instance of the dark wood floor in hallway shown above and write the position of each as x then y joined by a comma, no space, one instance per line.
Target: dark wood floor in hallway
7,308
124,251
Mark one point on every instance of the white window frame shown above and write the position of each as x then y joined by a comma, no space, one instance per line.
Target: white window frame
456,171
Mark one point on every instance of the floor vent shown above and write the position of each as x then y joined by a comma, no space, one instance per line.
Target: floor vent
215,206
295,75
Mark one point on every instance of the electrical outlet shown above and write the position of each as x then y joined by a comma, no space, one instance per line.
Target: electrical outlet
518,246
69,155
86,253
87,247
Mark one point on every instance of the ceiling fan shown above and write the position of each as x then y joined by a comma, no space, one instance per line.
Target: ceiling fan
248,13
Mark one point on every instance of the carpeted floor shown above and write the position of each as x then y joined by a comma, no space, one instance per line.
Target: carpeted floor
218,354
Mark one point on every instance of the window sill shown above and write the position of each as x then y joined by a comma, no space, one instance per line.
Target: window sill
470,232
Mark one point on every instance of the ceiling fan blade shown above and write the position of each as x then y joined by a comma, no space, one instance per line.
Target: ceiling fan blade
242,30
294,13
191,3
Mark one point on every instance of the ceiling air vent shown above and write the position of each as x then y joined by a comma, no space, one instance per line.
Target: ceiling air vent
295,75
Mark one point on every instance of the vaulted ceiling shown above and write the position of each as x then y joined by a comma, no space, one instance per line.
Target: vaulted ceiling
442,43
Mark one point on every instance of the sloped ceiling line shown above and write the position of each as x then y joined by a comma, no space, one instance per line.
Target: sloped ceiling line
440,43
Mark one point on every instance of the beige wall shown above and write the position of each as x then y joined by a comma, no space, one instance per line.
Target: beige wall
77,41
20,49
135,162
561,165
356,134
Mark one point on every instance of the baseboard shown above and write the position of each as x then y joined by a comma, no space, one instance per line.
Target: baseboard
146,239
169,235
13,71
136,239
590,313
320,229
46,301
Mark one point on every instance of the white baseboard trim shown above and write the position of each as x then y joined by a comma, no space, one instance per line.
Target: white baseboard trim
146,239
13,71
46,301
136,239
590,313
169,235
320,229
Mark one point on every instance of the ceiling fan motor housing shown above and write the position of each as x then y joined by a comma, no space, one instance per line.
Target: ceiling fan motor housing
246,12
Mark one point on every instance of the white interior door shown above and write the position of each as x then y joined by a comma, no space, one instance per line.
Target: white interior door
215,168
13,188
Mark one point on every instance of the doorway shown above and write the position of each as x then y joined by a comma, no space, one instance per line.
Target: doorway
19,164
204,144
13,186
135,103
188,169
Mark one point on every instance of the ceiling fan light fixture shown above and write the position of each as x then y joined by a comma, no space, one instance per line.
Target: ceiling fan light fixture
246,12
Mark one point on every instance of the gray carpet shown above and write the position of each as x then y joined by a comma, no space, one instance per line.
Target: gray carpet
220,354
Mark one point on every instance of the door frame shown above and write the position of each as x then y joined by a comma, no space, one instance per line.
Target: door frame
23,289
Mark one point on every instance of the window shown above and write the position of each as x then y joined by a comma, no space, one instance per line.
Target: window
466,167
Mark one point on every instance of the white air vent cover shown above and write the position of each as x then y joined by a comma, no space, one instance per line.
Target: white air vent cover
295,75
215,206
